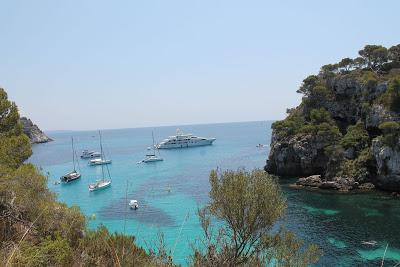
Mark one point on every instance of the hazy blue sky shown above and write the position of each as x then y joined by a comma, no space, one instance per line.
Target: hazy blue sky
119,64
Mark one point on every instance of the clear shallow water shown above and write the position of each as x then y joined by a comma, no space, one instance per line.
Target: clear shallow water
170,192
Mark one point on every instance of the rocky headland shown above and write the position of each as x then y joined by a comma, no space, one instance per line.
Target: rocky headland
345,134
33,132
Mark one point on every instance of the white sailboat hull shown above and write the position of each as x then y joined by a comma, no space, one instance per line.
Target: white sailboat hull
94,162
99,185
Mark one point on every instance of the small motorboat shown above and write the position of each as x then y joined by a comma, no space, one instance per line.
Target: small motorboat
99,161
151,158
133,204
369,243
86,154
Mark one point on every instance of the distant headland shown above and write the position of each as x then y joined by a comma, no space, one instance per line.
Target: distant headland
35,135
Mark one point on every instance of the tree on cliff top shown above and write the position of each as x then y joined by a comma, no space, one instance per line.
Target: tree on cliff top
245,206
374,55
15,146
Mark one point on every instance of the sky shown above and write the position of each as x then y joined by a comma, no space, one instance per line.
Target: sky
91,64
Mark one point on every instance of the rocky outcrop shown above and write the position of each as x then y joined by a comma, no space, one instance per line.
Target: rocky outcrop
298,156
33,132
388,164
349,100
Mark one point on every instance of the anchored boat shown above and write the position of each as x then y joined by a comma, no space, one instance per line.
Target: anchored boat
181,140
152,157
73,175
103,183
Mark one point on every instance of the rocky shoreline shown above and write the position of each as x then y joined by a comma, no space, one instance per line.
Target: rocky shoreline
35,135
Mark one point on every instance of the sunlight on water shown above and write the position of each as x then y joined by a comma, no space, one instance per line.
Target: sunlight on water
321,211
337,243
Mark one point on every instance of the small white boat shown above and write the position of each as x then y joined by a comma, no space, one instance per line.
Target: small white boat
86,154
151,158
99,161
133,204
99,184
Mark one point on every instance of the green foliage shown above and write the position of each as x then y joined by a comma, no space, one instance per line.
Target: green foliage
391,98
346,64
289,126
49,252
356,137
15,146
391,132
394,53
247,205
369,78
9,117
359,168
100,248
308,84
374,55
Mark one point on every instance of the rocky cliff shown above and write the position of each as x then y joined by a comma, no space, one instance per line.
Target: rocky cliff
33,132
346,132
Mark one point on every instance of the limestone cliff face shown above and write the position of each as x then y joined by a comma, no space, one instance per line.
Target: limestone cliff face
33,132
388,164
347,164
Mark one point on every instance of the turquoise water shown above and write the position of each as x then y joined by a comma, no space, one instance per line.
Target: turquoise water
170,192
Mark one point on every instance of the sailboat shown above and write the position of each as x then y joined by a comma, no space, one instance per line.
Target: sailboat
102,159
103,183
152,157
74,175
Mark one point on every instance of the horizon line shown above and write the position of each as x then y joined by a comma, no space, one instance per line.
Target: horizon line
153,126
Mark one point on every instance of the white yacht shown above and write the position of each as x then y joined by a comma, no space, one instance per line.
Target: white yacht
181,140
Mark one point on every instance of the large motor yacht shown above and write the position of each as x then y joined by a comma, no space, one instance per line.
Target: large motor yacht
181,140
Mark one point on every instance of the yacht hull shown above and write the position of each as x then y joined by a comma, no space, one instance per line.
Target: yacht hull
186,144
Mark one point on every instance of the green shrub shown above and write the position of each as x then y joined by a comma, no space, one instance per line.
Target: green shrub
391,132
359,168
356,137
391,98
50,252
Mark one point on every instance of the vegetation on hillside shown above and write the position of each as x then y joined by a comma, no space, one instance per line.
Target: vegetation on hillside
36,230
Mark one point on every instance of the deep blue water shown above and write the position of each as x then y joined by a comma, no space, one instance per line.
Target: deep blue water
170,192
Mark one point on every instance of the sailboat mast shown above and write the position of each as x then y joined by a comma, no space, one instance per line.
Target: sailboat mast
154,148
73,153
101,156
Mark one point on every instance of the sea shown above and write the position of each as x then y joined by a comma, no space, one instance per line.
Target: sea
170,192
